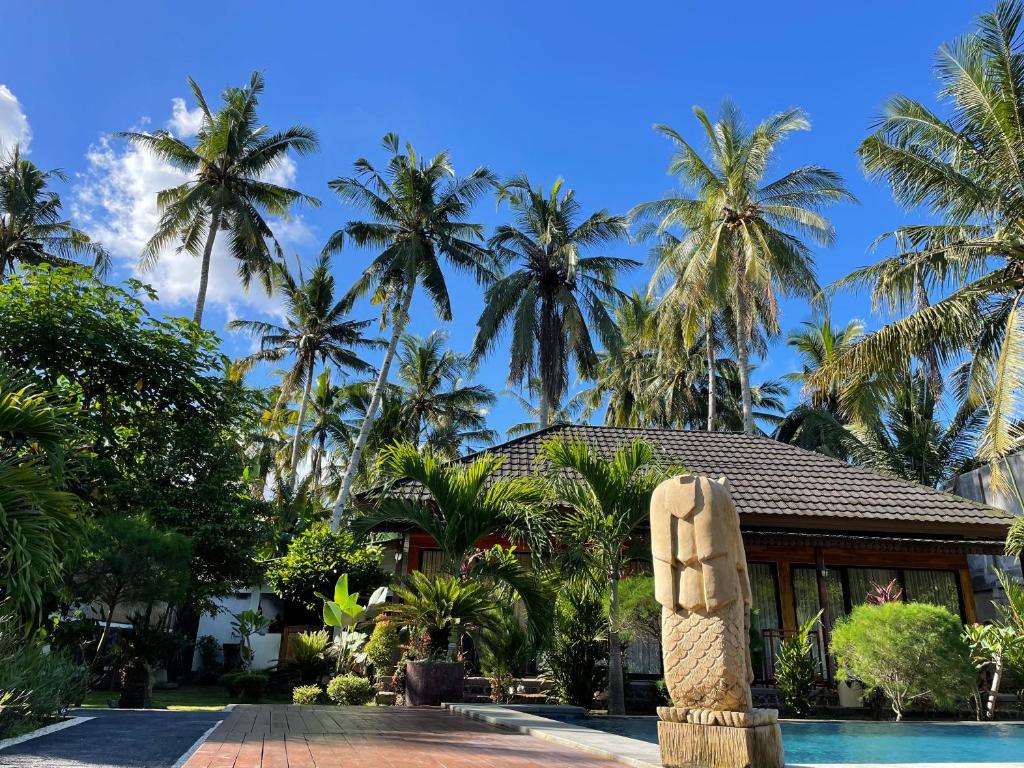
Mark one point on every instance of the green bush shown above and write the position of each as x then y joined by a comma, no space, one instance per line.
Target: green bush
35,686
574,662
639,612
245,686
796,669
350,689
306,694
912,652
383,646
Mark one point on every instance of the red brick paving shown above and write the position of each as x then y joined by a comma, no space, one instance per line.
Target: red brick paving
374,737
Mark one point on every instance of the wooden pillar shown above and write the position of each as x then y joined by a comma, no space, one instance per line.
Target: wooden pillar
826,615
967,595
786,599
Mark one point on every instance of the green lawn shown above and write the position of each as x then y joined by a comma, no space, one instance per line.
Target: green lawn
189,698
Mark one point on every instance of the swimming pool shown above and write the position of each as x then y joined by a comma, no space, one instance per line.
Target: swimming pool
863,742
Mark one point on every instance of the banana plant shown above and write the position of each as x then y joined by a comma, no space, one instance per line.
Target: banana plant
344,611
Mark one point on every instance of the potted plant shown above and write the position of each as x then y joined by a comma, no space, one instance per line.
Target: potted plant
442,608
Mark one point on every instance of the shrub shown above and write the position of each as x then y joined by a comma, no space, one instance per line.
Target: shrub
245,686
208,647
350,689
574,662
639,612
311,655
35,686
912,652
306,694
796,669
382,647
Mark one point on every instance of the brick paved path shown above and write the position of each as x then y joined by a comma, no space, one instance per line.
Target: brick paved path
374,737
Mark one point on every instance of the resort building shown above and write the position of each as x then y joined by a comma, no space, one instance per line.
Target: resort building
819,533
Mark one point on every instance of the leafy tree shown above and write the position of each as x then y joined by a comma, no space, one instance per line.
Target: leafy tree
128,561
964,172
229,191
909,651
39,520
32,231
316,328
639,612
607,500
443,409
742,236
556,297
159,424
418,212
465,504
316,558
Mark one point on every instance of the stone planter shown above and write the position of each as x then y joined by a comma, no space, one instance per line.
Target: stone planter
429,683
851,694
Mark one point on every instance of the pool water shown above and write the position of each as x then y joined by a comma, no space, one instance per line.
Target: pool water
862,742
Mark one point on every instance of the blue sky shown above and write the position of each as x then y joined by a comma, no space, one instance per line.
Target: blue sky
550,89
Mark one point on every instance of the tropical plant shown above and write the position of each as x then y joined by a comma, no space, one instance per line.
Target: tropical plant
465,504
245,687
639,611
418,212
573,411
228,189
443,409
911,652
306,694
991,645
39,519
575,656
505,653
880,595
796,669
607,499
310,655
741,239
246,624
439,605
32,231
316,329
350,689
964,171
556,298
344,611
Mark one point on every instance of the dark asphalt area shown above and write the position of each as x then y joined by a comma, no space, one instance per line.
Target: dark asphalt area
114,739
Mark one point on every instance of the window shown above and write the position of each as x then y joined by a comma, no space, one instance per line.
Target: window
764,589
935,587
805,593
862,582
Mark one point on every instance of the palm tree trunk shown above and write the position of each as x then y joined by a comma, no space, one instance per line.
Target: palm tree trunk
294,466
398,327
204,275
544,414
616,685
933,373
711,374
993,693
744,323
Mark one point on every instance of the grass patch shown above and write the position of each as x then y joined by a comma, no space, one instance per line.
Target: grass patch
187,698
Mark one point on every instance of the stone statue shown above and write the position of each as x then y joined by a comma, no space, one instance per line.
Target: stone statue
701,582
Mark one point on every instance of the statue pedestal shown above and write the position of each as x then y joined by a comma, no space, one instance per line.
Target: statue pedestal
701,739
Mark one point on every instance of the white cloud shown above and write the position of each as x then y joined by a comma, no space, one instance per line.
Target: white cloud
184,122
115,200
14,128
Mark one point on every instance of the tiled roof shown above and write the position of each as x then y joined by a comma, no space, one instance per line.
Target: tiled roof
772,478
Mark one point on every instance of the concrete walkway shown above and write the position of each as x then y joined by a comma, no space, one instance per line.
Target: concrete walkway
375,737
114,739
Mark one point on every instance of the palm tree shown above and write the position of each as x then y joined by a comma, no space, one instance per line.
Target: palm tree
326,427
465,504
439,604
316,329
968,172
556,297
443,408
228,190
575,410
32,231
607,500
742,236
418,212
39,520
